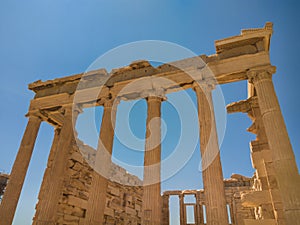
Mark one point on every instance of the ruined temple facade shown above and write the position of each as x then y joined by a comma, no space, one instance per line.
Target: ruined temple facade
82,186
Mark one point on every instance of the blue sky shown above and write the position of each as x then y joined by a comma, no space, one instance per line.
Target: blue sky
49,39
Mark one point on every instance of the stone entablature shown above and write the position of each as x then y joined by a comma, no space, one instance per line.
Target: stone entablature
230,64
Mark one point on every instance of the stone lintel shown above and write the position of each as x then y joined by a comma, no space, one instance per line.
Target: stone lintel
185,192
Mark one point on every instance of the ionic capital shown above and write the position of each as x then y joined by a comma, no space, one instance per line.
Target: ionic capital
181,197
206,87
261,73
157,94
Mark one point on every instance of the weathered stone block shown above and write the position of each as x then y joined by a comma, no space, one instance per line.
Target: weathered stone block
81,203
114,191
109,212
76,156
130,211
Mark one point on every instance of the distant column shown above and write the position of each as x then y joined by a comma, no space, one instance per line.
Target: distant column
211,163
199,210
97,198
152,204
15,183
165,210
282,153
181,209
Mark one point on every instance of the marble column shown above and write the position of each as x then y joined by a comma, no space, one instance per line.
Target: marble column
97,198
16,179
199,210
165,210
216,213
48,208
282,153
43,194
152,204
181,209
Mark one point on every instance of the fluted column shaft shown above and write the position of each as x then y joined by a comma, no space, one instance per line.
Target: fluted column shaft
43,195
216,213
15,183
97,198
181,209
48,209
152,208
282,153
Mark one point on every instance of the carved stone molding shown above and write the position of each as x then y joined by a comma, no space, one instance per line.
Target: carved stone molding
206,86
157,94
261,73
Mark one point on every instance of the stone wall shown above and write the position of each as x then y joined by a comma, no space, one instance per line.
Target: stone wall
235,187
124,194
123,202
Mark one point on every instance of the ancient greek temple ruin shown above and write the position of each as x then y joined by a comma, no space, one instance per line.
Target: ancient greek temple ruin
74,192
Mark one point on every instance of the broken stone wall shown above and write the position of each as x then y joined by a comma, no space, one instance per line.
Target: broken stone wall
234,188
123,202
